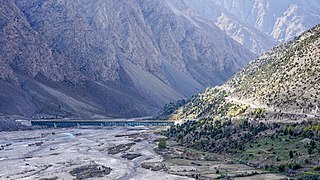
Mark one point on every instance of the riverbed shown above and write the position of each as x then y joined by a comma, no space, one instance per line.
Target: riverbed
54,153
110,153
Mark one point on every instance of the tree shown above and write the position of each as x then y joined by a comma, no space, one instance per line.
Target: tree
310,150
217,124
272,137
162,143
311,147
312,144
291,154
281,167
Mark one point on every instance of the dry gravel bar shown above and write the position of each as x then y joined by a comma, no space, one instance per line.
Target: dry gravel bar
60,153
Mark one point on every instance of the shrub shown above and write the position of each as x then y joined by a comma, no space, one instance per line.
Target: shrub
317,168
282,168
309,177
291,154
295,166
162,143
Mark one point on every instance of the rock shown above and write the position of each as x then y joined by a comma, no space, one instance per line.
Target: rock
120,148
131,156
90,171
153,166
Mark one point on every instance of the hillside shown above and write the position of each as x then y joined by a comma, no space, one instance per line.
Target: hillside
266,116
107,58
284,79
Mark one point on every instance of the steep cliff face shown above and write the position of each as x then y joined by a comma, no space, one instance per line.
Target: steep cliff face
246,34
283,20
259,24
193,44
107,58
21,48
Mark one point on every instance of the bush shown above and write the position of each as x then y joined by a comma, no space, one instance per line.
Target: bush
259,113
309,177
282,168
295,166
317,168
162,143
291,154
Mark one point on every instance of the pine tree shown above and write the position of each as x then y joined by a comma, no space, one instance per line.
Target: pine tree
291,154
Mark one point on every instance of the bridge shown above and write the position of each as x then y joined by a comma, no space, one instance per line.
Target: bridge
79,123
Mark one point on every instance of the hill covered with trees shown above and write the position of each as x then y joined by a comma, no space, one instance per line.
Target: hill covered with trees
266,116
284,80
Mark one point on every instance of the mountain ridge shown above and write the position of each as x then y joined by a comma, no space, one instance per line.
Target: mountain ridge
282,80
259,25
122,61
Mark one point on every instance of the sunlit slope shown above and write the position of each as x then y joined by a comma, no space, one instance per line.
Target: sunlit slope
285,79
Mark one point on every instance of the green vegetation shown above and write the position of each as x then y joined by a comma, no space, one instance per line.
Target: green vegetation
277,147
210,102
286,77
317,168
286,82
236,109
259,113
162,143
309,177
169,109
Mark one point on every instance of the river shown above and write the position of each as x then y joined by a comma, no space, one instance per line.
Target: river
53,153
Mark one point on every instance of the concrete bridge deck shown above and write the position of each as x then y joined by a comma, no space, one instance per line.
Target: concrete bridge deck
75,123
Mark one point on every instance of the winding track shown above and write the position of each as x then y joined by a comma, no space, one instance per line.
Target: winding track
252,105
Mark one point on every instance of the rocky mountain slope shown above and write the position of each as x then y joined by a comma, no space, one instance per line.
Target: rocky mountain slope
282,82
259,24
266,116
102,58
246,34
283,20
285,78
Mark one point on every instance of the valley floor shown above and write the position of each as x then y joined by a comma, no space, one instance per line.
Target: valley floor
203,165
107,153
54,153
